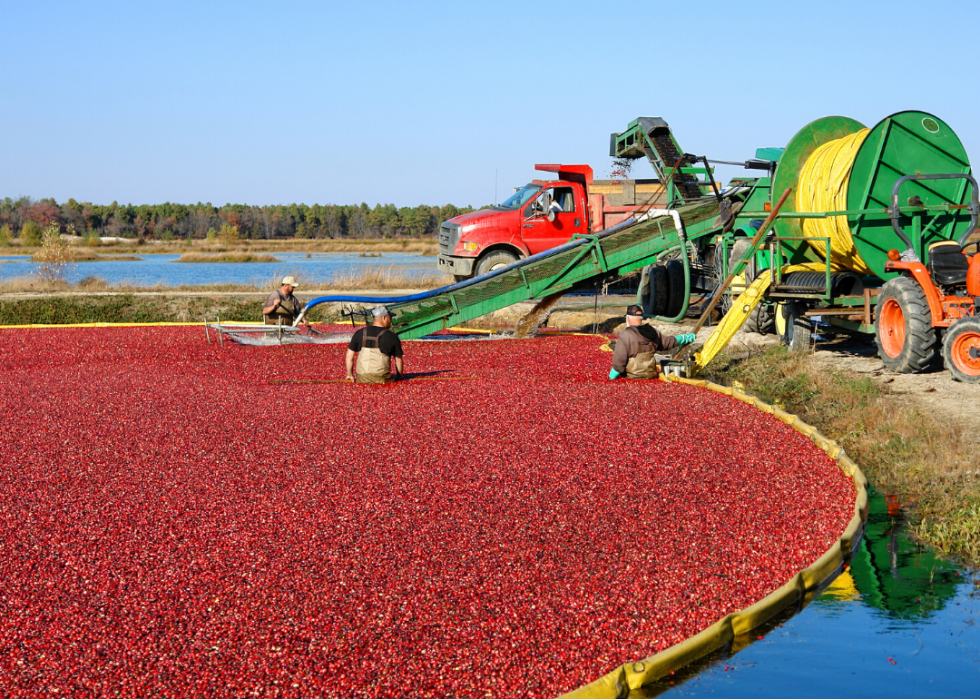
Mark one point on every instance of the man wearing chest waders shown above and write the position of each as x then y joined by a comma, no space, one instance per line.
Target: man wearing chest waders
282,305
375,346
636,345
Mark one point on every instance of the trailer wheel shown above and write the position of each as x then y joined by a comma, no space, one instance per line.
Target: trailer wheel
738,249
795,329
676,291
907,342
659,290
493,261
961,350
762,320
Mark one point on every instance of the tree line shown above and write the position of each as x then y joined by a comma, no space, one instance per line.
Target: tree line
26,218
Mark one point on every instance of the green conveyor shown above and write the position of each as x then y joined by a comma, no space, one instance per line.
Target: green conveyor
620,250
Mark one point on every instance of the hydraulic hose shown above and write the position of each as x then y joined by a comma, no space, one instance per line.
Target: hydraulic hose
385,300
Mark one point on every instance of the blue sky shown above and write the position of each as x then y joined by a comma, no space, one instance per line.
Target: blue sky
406,103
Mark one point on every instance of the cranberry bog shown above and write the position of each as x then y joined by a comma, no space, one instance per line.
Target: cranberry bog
182,519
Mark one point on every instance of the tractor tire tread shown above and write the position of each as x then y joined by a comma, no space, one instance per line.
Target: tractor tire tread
919,353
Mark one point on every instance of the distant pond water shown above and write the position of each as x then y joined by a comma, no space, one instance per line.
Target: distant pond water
153,269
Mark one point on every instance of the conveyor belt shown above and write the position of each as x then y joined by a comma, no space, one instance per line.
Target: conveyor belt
616,251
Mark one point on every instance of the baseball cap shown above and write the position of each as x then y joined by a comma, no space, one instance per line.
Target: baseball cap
380,311
634,310
289,280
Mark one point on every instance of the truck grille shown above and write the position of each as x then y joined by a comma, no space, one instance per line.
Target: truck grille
448,238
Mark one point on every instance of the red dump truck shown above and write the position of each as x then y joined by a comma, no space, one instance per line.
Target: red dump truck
541,215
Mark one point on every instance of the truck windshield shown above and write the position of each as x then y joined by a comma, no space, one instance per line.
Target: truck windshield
521,196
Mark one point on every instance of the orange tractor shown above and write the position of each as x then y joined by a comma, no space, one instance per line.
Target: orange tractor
933,307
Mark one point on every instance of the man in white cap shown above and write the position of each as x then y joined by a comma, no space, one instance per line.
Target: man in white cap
375,346
282,305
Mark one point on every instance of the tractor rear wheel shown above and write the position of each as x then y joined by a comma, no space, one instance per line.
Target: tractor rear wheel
961,350
907,342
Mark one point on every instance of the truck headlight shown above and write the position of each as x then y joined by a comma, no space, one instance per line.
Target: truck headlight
471,247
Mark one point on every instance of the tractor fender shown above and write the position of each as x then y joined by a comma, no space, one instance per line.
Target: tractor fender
973,276
919,272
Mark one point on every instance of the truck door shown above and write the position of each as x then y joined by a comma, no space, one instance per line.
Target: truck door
538,232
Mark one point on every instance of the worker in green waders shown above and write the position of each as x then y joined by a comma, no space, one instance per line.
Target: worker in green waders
634,356
282,306
375,346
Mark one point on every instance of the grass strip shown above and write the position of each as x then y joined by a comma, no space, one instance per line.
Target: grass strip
126,308
226,257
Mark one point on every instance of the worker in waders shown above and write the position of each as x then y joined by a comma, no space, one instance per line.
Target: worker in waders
636,346
375,346
282,306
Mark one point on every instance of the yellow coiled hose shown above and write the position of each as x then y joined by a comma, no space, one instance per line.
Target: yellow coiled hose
822,186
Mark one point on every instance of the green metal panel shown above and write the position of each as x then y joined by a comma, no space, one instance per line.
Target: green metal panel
807,140
906,143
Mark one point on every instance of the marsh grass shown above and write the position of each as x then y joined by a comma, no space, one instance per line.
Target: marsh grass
226,257
920,456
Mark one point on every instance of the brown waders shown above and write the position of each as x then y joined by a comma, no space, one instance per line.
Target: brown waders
288,310
644,364
373,366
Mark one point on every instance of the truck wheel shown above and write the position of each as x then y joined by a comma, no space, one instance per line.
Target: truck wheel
494,261
961,350
794,328
676,291
906,340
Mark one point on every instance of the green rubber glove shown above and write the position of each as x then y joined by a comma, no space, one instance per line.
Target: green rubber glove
685,339
613,374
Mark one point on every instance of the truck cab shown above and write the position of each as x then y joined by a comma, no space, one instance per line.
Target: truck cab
541,215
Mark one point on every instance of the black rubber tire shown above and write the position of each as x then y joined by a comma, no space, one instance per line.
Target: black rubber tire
725,302
738,249
659,291
961,350
762,320
497,258
676,291
798,331
919,342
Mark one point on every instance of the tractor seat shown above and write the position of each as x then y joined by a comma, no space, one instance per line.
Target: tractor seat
947,263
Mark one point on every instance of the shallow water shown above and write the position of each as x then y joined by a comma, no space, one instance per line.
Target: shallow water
900,622
154,269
